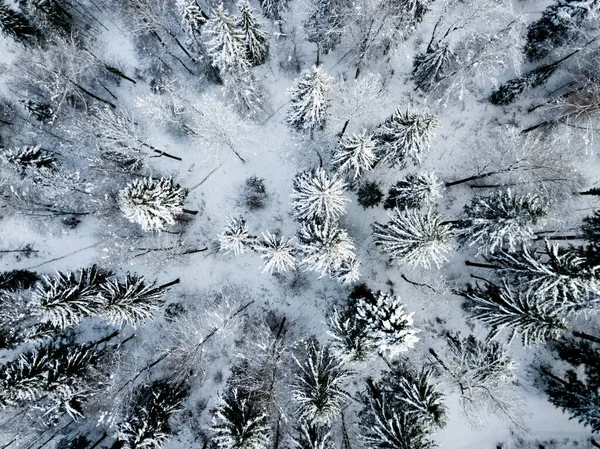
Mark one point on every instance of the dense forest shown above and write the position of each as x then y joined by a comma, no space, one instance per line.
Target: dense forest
299,224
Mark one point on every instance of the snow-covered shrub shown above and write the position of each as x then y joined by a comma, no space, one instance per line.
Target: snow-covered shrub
152,203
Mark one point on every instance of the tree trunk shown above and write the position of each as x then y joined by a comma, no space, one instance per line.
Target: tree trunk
98,441
170,284
595,191
318,63
474,178
191,212
561,237
341,134
481,265
586,336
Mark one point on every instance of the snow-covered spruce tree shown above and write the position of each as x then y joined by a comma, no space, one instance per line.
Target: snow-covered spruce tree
404,136
558,274
317,386
309,435
508,92
351,341
325,24
429,68
591,232
484,372
152,203
348,272
236,238
255,38
16,280
66,298
310,100
240,422
54,379
146,418
16,25
192,16
132,301
415,238
415,393
414,191
558,21
244,91
501,220
355,155
524,313
225,42
29,157
369,194
385,425
278,254
318,196
273,9
576,394
325,247
386,322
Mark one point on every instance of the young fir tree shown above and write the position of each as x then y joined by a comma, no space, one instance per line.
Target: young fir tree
577,392
317,387
67,298
385,424
16,25
225,42
386,323
324,247
501,220
414,191
553,29
532,317
146,421
369,194
240,422
415,238
558,274
255,38
318,196
309,100
29,157
415,393
404,136
132,301
309,435
278,254
152,203
355,155
236,238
